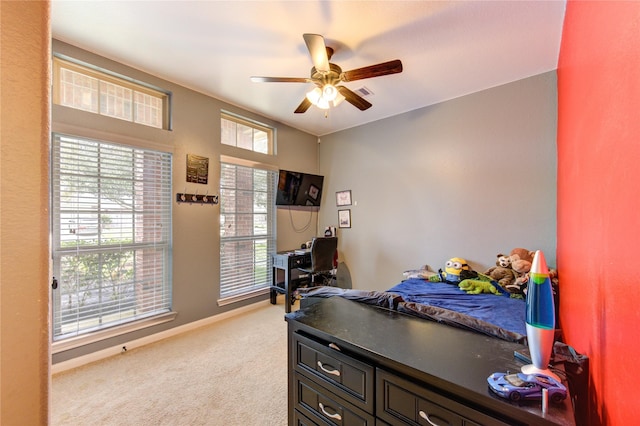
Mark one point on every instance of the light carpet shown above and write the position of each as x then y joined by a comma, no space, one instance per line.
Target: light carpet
233,372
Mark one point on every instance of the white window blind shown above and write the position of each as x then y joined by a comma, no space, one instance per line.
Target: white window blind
247,230
111,222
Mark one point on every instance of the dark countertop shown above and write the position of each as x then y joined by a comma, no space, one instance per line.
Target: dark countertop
454,361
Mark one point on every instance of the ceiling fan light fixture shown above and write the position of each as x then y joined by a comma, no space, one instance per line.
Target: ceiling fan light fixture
317,98
329,92
314,95
327,76
323,103
338,100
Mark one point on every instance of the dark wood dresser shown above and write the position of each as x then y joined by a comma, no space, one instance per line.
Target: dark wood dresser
355,364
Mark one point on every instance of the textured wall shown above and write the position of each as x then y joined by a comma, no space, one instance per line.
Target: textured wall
24,232
598,222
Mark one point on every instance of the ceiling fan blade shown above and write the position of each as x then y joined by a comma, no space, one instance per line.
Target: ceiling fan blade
303,107
318,51
354,99
280,80
378,70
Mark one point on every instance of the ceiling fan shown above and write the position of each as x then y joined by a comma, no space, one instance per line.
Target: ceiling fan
328,76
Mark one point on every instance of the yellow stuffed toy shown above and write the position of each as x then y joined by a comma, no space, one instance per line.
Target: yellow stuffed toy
456,269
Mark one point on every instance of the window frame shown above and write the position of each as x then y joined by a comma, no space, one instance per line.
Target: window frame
101,74
164,313
270,236
238,120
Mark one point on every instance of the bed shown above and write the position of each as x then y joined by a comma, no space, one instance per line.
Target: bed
495,315
499,316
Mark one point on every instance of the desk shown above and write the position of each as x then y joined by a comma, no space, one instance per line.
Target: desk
288,261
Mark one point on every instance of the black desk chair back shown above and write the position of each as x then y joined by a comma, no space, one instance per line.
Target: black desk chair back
323,251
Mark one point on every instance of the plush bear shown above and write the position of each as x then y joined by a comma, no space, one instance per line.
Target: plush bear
473,286
502,272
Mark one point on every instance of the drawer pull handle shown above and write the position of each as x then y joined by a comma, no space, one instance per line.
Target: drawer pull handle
332,371
427,418
335,416
334,346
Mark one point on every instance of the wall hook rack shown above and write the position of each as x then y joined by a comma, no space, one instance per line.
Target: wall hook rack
182,197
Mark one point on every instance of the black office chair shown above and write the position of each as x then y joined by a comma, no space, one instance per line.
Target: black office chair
323,251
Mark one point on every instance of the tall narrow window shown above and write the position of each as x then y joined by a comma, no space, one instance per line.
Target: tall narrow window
247,231
111,222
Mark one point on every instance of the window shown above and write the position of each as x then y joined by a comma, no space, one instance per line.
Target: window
247,230
246,134
93,90
111,223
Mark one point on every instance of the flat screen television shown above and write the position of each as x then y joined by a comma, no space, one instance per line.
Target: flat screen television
298,189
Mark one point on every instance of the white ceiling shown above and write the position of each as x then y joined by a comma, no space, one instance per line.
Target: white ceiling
448,48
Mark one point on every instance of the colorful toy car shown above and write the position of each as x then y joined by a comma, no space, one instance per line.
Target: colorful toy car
520,386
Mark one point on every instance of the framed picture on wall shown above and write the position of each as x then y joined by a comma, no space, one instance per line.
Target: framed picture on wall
344,218
343,198
314,191
197,169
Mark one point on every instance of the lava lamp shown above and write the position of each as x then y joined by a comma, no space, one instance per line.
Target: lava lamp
540,317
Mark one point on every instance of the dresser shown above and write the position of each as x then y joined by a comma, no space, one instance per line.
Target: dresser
355,364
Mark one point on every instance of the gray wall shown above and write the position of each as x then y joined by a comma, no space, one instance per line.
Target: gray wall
471,178
196,235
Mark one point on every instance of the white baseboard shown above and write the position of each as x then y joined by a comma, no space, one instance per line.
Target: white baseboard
156,337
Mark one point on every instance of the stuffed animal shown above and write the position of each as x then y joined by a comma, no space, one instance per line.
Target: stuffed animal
424,273
521,267
473,286
522,253
522,282
519,287
521,260
555,280
502,272
456,269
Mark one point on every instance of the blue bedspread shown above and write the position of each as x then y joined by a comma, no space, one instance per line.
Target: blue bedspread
502,311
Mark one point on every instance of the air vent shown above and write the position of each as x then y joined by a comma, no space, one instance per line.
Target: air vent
364,92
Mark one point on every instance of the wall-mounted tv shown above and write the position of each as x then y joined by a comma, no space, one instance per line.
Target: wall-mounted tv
298,189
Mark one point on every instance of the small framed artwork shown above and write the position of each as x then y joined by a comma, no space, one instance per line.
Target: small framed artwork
344,218
197,169
343,198
314,191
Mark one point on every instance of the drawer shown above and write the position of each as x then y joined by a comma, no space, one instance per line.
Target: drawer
345,376
300,419
401,402
316,402
300,261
